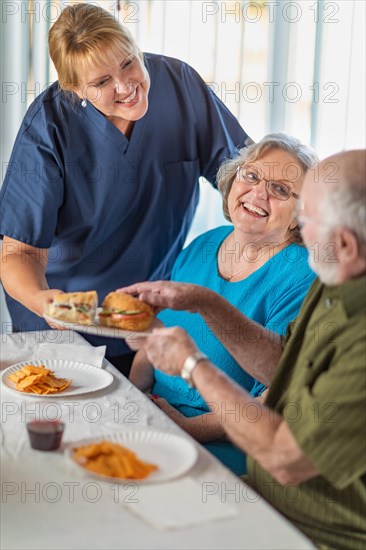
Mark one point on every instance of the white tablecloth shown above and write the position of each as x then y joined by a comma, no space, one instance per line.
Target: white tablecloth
46,504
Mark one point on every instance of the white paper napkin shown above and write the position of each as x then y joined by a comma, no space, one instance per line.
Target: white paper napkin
178,504
14,349
82,352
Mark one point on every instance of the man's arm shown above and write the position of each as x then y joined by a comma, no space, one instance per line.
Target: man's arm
254,347
256,429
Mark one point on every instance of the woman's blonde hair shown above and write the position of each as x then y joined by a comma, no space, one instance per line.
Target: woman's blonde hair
304,155
81,37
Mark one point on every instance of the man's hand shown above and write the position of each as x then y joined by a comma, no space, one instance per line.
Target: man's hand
137,341
168,348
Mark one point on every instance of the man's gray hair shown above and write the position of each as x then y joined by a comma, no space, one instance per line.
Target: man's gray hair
346,200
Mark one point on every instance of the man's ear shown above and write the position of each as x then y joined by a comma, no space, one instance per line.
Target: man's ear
349,250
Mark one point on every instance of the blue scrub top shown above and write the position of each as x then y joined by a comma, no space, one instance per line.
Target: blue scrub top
113,211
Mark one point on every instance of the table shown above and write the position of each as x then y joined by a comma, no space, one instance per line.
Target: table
46,505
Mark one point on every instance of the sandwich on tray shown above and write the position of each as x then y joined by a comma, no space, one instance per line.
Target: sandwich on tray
123,311
74,307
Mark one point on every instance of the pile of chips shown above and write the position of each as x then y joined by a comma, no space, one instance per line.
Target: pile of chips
113,460
38,380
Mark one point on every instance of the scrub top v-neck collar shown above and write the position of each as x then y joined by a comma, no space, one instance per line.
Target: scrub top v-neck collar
112,133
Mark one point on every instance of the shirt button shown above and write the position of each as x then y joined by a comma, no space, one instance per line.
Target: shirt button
309,363
328,303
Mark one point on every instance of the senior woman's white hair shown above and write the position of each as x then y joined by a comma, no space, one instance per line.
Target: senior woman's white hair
303,154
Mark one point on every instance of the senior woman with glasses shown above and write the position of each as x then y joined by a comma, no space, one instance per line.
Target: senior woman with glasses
258,264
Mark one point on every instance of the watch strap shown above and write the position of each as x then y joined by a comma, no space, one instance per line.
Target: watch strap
190,364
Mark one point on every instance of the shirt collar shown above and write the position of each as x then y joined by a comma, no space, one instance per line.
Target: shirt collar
352,294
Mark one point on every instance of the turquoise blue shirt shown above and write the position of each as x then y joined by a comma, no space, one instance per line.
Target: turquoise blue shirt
272,296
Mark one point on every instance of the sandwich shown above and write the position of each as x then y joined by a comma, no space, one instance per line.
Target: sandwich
74,307
120,310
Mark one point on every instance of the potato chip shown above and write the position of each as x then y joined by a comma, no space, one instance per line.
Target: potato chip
112,460
38,380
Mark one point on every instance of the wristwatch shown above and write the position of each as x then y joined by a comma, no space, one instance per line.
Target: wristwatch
190,364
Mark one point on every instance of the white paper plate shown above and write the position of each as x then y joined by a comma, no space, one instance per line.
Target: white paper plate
85,378
97,329
174,455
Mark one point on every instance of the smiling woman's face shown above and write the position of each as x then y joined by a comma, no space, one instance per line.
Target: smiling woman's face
118,88
255,213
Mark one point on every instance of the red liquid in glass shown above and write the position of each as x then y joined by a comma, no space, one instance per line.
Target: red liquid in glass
45,435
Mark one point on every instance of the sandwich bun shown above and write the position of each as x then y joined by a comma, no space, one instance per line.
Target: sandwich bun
123,311
74,307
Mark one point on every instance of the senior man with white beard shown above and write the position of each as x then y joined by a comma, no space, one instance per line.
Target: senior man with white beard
306,444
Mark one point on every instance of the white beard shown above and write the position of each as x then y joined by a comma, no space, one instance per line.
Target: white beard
321,262
327,272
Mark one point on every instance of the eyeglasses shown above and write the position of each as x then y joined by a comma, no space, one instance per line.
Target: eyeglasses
277,189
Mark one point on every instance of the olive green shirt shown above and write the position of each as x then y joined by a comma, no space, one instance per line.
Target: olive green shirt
320,390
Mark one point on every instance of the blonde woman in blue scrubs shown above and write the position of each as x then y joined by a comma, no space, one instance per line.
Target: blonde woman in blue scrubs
102,183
